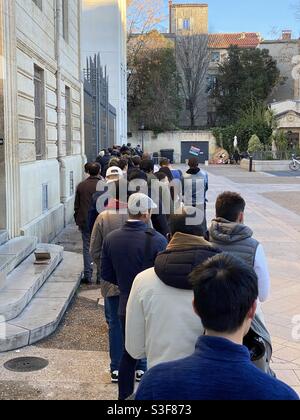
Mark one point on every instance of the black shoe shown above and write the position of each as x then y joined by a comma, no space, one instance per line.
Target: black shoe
115,377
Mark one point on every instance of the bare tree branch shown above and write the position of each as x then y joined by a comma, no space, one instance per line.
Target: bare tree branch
193,61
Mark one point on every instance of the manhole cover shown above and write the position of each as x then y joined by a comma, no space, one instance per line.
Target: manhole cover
26,364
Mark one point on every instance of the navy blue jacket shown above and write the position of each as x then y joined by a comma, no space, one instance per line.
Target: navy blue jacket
126,253
218,370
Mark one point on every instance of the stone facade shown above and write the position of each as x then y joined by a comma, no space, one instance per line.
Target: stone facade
188,18
42,155
104,32
284,51
173,140
288,120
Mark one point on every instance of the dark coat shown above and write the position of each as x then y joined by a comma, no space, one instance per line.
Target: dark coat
83,200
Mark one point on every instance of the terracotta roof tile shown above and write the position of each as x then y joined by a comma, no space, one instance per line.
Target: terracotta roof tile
242,40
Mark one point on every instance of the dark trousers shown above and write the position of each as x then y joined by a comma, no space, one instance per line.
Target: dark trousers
128,368
116,344
87,259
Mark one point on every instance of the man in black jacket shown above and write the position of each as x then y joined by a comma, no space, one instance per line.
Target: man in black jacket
161,323
126,253
83,200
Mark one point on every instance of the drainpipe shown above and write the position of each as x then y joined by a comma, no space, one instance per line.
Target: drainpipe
58,25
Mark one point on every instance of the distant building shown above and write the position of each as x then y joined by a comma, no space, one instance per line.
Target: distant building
41,133
188,18
99,114
219,45
104,32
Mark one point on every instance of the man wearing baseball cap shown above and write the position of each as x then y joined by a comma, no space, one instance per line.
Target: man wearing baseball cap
126,253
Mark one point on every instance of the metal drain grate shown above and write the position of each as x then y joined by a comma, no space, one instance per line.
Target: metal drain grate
26,364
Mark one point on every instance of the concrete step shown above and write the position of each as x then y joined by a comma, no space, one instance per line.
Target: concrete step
44,313
25,281
12,253
3,237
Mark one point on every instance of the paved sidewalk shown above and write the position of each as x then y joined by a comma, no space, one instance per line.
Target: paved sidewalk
77,353
278,229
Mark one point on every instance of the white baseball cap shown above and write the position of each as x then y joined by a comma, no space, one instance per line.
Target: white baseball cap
114,171
140,204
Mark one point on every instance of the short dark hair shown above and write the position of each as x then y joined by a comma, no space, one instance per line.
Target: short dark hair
225,289
87,167
194,162
229,205
168,172
180,223
161,175
123,162
137,174
147,166
94,169
136,160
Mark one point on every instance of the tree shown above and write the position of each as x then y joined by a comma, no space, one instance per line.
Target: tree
255,145
192,62
143,17
257,119
153,98
247,75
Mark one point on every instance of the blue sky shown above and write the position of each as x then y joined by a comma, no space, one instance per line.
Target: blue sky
269,17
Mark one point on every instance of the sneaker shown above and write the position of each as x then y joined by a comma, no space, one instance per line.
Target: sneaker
115,377
139,375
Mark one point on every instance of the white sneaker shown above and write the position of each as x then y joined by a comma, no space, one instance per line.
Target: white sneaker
115,377
139,375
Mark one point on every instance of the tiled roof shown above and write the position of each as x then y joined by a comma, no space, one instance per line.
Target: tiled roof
242,40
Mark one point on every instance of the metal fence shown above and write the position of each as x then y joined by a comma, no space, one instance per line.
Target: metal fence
272,155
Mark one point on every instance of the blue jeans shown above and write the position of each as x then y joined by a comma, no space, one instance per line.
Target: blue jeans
116,342
87,259
127,370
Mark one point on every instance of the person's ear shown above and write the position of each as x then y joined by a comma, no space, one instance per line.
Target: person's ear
241,218
252,312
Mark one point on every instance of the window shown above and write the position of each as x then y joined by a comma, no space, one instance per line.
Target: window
72,189
68,112
45,198
39,105
38,3
215,57
212,83
65,19
186,24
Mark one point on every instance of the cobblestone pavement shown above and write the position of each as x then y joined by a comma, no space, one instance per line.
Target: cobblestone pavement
77,352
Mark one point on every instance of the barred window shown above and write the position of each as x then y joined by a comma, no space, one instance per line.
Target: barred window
39,105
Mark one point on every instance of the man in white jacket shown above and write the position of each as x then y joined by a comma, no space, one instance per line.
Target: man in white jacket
161,324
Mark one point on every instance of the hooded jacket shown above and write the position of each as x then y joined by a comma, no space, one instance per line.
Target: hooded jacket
161,323
236,239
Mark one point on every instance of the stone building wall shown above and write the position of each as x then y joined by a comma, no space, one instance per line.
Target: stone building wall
46,183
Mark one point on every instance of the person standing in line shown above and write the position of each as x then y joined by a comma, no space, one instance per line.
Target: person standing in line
225,299
127,252
161,324
83,200
229,233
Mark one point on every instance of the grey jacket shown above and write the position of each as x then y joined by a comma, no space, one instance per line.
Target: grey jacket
236,239
107,222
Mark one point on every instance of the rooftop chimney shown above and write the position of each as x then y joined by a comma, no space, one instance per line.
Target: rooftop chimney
286,35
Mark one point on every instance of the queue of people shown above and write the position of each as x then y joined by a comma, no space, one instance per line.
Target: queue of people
171,285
